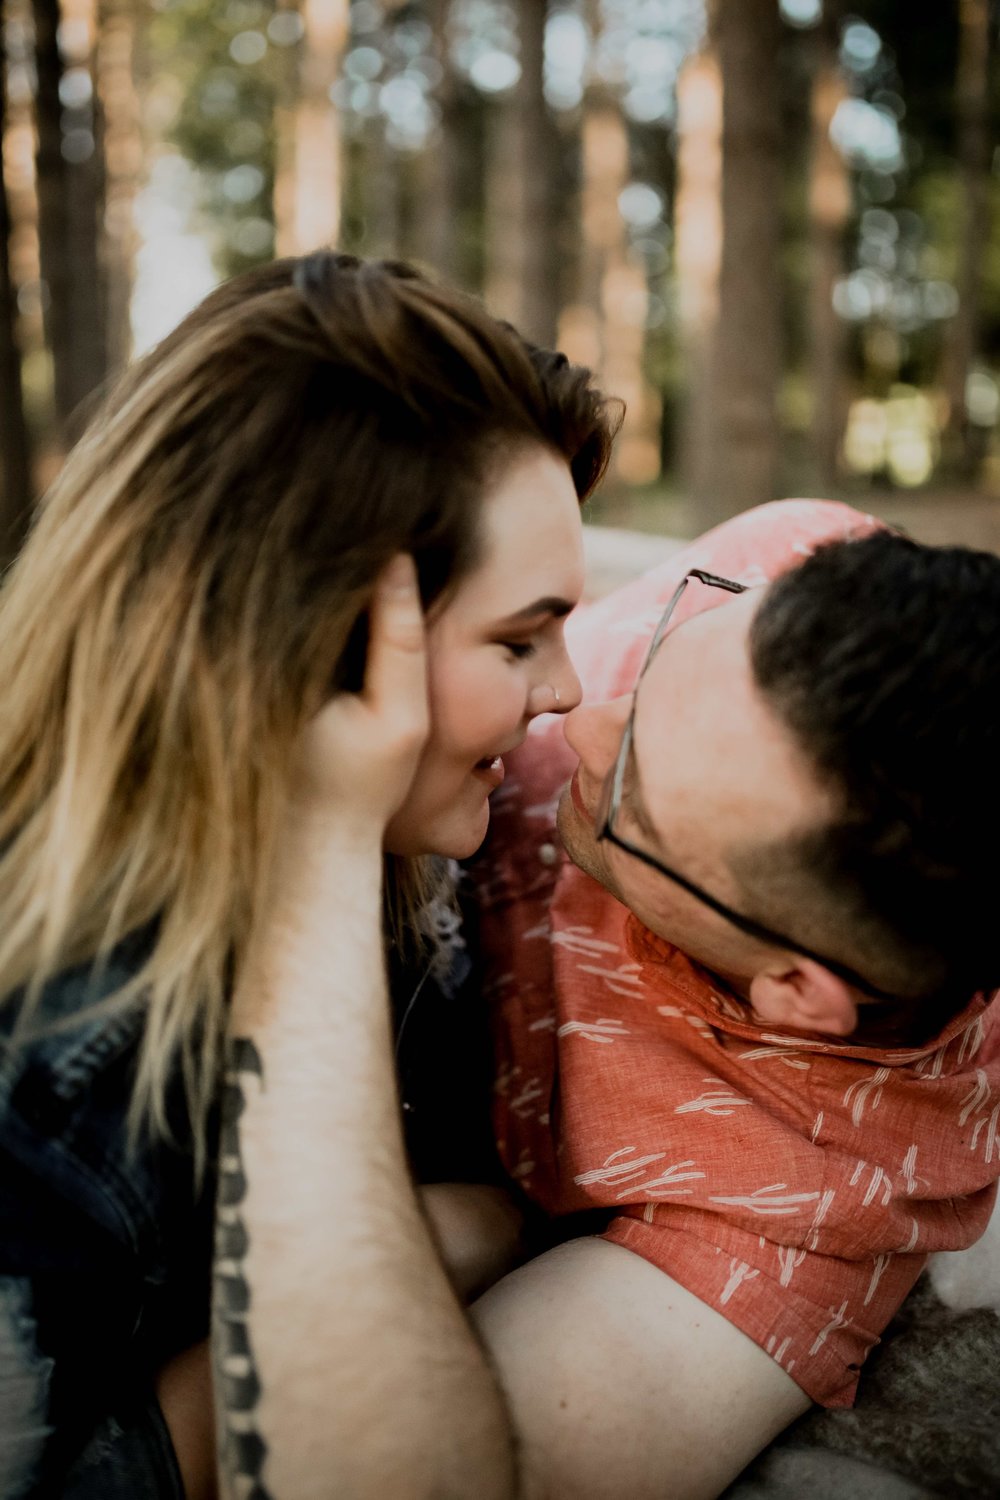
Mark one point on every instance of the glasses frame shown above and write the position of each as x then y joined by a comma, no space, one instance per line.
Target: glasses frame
610,807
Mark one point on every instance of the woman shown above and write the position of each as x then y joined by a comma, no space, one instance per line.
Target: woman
203,577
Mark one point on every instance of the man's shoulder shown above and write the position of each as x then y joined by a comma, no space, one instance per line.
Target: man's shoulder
755,544
608,637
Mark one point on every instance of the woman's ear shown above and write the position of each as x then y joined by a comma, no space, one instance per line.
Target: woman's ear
800,993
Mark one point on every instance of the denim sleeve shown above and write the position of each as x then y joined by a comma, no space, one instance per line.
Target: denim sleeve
25,1378
127,1455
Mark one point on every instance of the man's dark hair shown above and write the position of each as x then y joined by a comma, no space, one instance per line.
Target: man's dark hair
883,658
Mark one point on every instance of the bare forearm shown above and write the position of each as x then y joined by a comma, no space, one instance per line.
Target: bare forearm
344,1363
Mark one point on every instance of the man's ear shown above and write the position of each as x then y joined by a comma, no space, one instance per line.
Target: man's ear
799,992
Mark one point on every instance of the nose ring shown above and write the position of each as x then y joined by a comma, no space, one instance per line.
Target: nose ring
555,694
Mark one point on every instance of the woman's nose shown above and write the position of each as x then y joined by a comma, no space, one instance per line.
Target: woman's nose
560,694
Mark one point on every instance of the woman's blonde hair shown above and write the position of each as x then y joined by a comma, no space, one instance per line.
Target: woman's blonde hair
196,585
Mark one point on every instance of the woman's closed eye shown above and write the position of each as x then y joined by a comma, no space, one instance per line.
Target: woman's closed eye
521,650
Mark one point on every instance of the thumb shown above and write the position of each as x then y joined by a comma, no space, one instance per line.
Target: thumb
395,683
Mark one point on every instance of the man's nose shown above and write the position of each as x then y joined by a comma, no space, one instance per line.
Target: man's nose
594,731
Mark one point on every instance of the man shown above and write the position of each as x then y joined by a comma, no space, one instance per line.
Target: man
744,1026
793,795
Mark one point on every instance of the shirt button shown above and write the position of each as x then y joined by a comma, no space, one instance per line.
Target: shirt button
548,854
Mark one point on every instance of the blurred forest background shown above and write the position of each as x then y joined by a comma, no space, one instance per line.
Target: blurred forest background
766,223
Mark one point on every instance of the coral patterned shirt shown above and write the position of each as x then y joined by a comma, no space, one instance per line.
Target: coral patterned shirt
795,1185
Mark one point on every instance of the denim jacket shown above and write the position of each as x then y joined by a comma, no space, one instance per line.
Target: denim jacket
105,1255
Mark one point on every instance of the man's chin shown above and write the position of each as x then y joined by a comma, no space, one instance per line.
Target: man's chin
578,839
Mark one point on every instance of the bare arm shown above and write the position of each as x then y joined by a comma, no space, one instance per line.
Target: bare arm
477,1231
344,1364
622,1383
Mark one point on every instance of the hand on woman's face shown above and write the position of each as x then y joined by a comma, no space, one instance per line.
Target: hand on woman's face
496,655
358,756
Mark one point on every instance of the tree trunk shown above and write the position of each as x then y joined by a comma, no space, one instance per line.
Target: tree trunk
523,158
15,448
829,210
963,441
86,182
381,193
441,165
70,219
504,225
698,253
737,456
118,42
307,197
53,216
539,163
604,327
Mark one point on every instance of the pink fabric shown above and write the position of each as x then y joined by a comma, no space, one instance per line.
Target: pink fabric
794,1185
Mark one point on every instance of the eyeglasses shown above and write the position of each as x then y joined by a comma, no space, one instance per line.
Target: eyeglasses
609,809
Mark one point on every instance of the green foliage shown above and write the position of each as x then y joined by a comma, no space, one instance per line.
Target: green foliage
226,68
229,77
938,199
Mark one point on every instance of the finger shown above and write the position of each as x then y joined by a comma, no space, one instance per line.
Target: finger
396,671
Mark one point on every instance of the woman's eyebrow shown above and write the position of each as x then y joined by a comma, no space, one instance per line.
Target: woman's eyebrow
551,604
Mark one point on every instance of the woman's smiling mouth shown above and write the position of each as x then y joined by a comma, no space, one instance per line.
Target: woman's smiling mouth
490,769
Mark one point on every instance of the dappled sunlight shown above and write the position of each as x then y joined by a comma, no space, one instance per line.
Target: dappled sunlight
712,242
